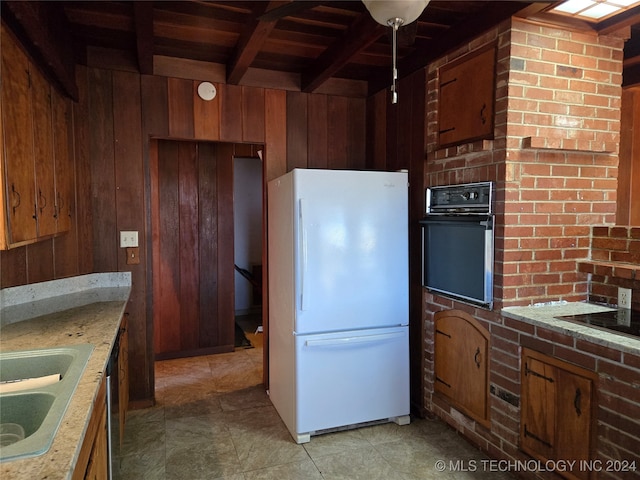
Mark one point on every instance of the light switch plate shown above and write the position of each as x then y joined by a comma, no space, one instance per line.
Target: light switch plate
128,239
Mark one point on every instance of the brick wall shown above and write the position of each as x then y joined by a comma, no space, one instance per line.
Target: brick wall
564,97
554,162
614,262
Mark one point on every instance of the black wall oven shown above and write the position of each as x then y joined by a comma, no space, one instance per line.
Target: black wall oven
457,242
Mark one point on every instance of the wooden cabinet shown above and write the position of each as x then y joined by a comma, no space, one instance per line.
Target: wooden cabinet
93,459
466,98
461,363
17,152
558,401
123,377
36,163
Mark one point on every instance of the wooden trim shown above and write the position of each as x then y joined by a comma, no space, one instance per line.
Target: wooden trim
98,411
195,353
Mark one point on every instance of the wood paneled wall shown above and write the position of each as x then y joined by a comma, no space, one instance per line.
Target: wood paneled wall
396,140
124,110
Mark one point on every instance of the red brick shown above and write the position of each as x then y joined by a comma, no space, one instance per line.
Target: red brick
505,383
505,351
555,337
623,406
575,357
599,350
619,371
632,361
536,344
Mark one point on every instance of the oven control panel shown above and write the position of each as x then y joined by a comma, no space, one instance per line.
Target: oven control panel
462,198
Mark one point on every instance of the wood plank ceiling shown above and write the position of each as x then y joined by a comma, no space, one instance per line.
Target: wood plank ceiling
311,42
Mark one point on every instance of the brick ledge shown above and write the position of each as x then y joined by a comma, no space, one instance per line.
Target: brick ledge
627,271
570,144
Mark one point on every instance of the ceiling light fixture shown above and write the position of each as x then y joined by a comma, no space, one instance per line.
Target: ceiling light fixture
395,13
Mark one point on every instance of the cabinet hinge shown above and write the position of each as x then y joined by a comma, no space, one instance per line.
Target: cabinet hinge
527,433
443,382
444,84
528,371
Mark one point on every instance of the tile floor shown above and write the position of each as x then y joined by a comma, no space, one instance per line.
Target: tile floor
213,420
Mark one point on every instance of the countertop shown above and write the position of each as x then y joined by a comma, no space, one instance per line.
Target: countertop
84,309
543,315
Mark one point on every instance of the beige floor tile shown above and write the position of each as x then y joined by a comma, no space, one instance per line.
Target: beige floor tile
202,461
213,420
149,436
334,443
144,465
363,463
304,470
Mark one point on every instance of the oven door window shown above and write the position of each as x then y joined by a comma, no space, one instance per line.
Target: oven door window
458,257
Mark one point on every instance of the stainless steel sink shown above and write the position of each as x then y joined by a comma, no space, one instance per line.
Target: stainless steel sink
39,410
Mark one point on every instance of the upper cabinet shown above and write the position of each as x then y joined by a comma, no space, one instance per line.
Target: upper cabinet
466,98
36,165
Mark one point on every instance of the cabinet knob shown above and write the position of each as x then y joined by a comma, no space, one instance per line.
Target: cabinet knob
477,358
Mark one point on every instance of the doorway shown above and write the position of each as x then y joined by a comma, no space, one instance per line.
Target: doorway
192,236
248,249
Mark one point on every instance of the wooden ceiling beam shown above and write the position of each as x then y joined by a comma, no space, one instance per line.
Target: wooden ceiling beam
286,9
45,33
251,41
143,21
363,32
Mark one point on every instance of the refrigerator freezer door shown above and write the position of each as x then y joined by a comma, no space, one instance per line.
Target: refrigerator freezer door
350,378
351,267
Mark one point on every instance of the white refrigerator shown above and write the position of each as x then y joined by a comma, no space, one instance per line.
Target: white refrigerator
338,299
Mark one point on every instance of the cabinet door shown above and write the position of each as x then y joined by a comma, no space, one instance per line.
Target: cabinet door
98,466
538,408
43,154
64,166
574,419
123,377
466,99
461,362
19,169
557,411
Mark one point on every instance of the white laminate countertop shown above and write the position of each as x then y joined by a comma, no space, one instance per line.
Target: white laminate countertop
83,309
544,315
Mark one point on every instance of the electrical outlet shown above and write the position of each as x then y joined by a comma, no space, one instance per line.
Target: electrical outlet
624,297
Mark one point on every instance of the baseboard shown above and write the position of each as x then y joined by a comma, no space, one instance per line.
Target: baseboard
248,311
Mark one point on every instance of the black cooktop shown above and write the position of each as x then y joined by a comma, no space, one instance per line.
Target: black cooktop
623,320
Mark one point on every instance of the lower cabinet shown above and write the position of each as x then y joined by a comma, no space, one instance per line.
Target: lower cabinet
461,363
558,401
123,377
93,458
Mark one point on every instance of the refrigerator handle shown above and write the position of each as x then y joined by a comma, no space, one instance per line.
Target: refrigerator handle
350,340
302,236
